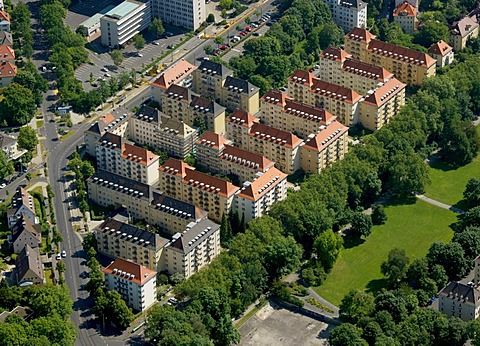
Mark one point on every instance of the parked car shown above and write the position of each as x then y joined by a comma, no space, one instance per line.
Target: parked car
107,75
223,47
254,24
257,34
248,29
140,55
3,185
59,257
244,33
104,69
64,254
156,43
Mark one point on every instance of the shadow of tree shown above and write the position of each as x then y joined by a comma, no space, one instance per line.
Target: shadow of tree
376,285
350,241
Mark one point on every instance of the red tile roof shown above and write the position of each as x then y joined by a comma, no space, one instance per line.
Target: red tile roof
337,92
243,118
326,137
385,92
138,154
275,97
260,186
307,112
213,140
209,183
302,77
367,70
405,10
175,167
7,70
335,54
174,74
246,158
125,269
361,35
440,48
271,134
401,53
4,16
7,53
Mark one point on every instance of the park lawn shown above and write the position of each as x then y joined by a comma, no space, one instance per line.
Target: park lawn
448,184
412,227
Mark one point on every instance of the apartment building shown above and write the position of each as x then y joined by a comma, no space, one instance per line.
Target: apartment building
9,146
209,78
117,155
324,148
118,239
4,21
6,38
115,122
7,54
342,102
382,105
257,196
442,53
124,21
193,249
463,30
408,65
22,208
25,233
414,3
406,16
281,111
29,268
153,128
216,154
142,202
179,73
182,104
348,14
212,194
337,66
136,284
239,94
459,300
280,146
189,14
8,71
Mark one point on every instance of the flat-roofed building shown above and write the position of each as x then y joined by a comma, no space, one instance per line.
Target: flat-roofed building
193,249
459,300
8,71
240,94
442,53
182,104
209,78
406,15
189,14
463,30
179,73
29,267
118,239
136,284
348,14
153,128
124,21
408,65
117,155
212,194
115,122
257,196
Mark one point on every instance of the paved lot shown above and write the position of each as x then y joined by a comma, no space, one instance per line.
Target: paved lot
238,49
80,12
280,327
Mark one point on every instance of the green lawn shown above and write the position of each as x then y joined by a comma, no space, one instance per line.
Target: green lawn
413,227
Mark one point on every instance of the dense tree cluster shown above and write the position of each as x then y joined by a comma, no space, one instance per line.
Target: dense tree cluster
83,170
20,25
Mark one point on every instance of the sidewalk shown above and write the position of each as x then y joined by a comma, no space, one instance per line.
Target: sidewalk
440,204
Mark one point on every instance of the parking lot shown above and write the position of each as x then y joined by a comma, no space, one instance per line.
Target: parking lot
238,49
276,326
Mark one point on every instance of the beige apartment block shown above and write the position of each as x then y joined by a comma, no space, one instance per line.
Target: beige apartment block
209,78
337,66
342,102
153,128
406,15
116,155
181,181
442,53
193,249
382,105
281,111
182,104
463,30
238,126
115,122
240,94
408,65
257,196
324,148
459,300
179,73
216,154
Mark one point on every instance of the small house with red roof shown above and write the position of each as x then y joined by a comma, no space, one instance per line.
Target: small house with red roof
442,53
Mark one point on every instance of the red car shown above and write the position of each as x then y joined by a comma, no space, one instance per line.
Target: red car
223,47
248,29
244,33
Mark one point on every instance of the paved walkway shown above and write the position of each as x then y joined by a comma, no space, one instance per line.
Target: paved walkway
440,204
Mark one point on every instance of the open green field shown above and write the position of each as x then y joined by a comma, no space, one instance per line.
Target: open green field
412,227
448,184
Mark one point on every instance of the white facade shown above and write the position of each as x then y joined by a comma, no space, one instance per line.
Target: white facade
124,21
185,13
348,14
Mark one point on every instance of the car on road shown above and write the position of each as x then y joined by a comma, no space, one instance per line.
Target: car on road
59,257
55,139
64,254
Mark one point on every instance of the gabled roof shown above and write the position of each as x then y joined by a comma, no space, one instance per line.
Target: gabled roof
213,140
150,114
335,54
307,112
275,97
401,53
302,77
177,207
174,74
325,137
175,167
264,183
6,140
440,48
179,92
7,69
360,35
209,183
243,118
246,158
214,68
240,85
7,53
112,140
6,38
464,26
405,10
130,271
193,235
273,135
109,121
22,198
385,92
4,16
23,225
179,128
28,259
24,313
334,91
461,292
138,155
366,70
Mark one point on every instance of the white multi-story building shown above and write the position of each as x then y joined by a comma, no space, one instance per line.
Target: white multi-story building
348,14
459,300
189,14
135,283
124,21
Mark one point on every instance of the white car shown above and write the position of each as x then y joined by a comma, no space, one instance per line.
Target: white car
156,43
140,55
3,185
59,257
107,75
104,69
64,254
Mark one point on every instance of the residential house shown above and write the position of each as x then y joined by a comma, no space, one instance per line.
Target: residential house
7,54
414,3
4,21
442,53
179,73
22,207
9,146
25,233
459,300
463,30
6,38
406,15
24,313
8,71
29,267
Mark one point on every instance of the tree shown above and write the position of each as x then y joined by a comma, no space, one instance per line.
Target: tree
82,30
361,224
208,49
472,192
27,138
219,40
431,32
408,173
395,267
89,241
156,28
260,82
13,334
470,243
226,234
138,41
470,218
96,276
460,142
226,4
48,300
346,335
117,57
327,248
379,217
6,167
211,18
451,256
118,311
17,106
356,305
